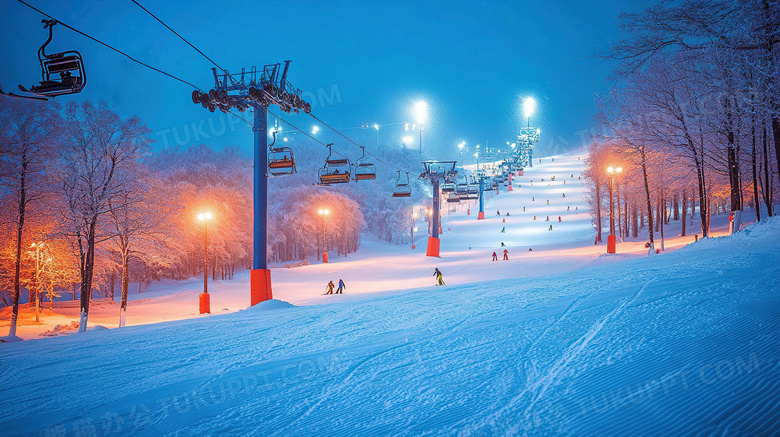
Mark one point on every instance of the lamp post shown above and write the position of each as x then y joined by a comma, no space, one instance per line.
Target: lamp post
421,114
37,247
323,213
205,304
611,240
529,106
414,221
460,146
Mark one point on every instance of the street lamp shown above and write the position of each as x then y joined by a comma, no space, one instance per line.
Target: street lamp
205,304
529,106
414,227
611,240
37,247
421,114
323,213
460,146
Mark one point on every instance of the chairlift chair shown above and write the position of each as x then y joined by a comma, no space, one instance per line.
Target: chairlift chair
364,170
462,189
448,188
65,64
453,198
281,161
402,190
472,192
336,170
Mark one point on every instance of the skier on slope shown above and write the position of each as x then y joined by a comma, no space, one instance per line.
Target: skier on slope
495,257
341,287
329,287
506,255
439,277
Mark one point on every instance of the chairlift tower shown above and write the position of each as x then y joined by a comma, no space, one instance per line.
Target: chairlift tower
482,178
258,90
437,171
524,151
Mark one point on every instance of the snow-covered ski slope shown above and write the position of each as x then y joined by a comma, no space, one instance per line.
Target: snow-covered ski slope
677,344
380,267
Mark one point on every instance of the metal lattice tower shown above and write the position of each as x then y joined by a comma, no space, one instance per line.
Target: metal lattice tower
524,152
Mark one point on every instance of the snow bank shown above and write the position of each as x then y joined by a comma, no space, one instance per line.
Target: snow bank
270,305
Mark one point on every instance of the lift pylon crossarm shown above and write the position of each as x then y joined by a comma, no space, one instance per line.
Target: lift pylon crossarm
269,87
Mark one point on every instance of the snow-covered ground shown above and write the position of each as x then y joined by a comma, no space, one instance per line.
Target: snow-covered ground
562,339
467,245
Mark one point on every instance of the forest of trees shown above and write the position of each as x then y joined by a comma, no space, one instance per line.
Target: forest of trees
693,118
87,205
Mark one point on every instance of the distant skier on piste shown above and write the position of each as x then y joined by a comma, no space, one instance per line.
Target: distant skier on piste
495,257
506,255
341,288
439,276
329,287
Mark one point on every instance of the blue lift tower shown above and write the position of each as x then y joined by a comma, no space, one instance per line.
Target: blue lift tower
258,90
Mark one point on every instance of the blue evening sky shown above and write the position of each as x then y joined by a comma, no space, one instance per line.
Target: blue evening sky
364,63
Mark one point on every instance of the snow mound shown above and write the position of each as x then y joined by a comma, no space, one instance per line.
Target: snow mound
269,305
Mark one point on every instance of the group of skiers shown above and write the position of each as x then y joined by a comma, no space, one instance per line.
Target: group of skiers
341,287
506,255
339,290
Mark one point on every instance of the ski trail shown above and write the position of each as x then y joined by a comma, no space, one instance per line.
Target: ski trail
566,357
575,349
563,316
329,391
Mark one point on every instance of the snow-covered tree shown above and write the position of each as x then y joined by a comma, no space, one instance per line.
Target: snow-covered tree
99,155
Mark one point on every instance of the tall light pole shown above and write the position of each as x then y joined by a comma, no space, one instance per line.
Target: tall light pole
611,240
205,304
421,114
529,106
323,213
37,247
414,222
460,146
